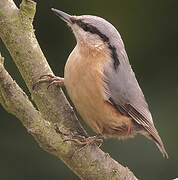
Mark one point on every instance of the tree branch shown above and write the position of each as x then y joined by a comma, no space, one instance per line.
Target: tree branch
54,113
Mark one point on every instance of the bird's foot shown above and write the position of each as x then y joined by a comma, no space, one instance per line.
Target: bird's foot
51,79
82,140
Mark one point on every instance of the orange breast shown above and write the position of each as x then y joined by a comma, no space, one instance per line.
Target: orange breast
83,78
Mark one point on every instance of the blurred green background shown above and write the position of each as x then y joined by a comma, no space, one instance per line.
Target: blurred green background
150,32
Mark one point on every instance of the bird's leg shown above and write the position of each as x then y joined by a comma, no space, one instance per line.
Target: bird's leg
85,141
51,79
82,140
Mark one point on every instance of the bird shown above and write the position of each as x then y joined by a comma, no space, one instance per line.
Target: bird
101,84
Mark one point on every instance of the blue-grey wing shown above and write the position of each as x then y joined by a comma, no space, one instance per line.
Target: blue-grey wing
124,93
123,90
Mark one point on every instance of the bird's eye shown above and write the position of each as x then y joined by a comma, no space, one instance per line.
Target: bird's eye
92,29
84,26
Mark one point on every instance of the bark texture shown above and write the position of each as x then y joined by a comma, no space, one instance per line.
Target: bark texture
54,114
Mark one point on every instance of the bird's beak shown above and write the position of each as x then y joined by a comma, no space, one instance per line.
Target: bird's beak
64,16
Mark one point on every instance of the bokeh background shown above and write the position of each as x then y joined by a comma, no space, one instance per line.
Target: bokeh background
150,32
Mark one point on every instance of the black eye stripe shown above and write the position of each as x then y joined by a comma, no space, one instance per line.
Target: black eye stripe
114,56
92,29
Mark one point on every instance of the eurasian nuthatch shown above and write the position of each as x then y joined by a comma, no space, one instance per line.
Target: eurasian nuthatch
101,83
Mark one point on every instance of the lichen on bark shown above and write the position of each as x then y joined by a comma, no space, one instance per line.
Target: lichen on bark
53,113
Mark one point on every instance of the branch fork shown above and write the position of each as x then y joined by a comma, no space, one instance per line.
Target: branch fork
16,31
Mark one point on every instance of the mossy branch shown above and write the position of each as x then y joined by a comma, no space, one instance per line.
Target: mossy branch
55,113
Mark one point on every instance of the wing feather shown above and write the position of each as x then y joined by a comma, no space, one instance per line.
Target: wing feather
125,94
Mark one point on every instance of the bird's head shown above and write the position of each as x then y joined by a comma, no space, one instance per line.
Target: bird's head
92,31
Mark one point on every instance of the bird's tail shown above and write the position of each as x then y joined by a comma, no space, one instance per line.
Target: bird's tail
159,144
152,134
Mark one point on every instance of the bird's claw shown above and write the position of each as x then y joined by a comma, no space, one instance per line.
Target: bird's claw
51,79
82,140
